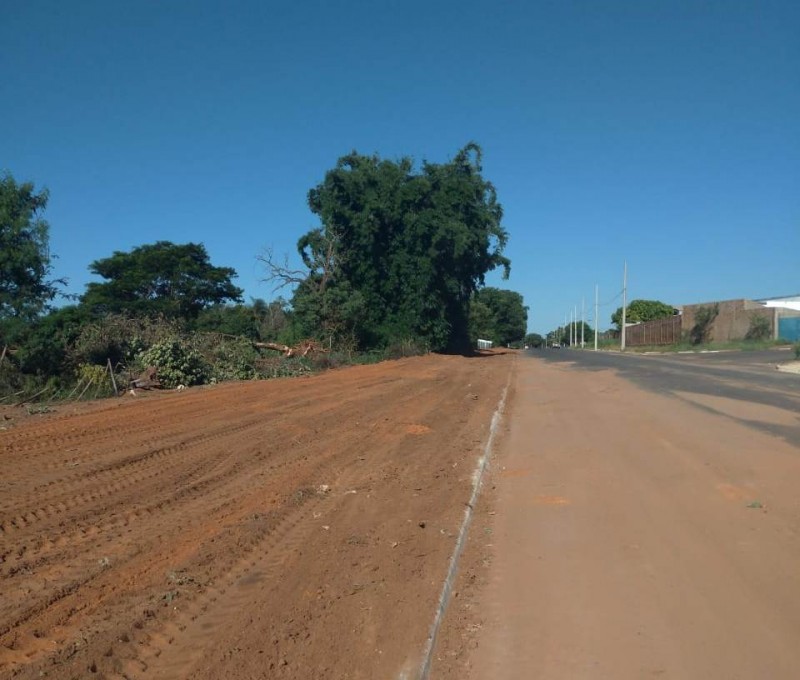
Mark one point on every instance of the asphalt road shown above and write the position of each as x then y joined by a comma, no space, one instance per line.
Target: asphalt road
733,384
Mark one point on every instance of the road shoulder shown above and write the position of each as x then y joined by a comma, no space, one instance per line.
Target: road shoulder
627,535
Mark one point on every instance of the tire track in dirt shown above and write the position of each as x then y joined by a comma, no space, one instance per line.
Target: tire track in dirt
219,494
188,634
113,478
91,532
195,483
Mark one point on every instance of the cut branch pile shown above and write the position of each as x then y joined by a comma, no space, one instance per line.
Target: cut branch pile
147,380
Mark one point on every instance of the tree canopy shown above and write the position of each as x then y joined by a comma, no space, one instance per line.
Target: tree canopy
562,334
498,315
161,278
25,290
400,251
534,340
642,310
259,320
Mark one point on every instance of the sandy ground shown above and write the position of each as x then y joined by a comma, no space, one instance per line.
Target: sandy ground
624,535
789,367
283,529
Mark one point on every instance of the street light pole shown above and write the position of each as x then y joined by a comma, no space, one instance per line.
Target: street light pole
575,323
596,325
624,303
583,321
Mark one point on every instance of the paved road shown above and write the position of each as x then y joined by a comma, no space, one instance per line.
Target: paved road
712,381
644,523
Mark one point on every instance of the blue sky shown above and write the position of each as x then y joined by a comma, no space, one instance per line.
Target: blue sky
664,133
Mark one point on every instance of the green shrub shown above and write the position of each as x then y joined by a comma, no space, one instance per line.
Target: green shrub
703,324
176,363
759,328
119,338
796,349
92,372
228,358
405,348
17,386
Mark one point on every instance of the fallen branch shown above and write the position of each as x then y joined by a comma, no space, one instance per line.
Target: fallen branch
274,345
146,380
301,349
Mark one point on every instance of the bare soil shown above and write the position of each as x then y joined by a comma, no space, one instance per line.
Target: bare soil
294,528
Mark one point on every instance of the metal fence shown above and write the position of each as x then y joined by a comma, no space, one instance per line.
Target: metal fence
658,332
789,328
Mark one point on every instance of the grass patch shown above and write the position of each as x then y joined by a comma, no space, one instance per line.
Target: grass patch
688,346
738,345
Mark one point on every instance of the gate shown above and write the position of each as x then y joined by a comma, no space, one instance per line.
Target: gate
789,328
657,332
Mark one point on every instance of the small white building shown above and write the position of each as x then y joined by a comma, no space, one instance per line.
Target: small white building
484,344
791,302
786,322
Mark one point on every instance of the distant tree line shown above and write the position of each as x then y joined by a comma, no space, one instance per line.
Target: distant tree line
399,259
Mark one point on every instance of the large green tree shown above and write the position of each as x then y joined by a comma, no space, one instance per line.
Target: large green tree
176,280
562,334
481,322
400,250
25,261
44,343
505,319
642,310
534,340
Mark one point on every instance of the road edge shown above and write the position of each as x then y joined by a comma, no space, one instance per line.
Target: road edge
469,510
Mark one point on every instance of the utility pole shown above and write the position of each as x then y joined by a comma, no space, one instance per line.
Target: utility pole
572,327
569,328
575,323
583,322
596,325
624,302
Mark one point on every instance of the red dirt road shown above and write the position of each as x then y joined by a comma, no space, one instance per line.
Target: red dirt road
283,529
629,536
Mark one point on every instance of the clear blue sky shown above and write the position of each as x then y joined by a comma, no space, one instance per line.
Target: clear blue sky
665,133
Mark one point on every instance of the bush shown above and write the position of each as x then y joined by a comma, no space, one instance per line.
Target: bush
119,338
92,372
759,328
228,358
405,348
796,349
176,363
93,381
703,323
16,385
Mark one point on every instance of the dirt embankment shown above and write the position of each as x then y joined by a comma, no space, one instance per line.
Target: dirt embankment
282,529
